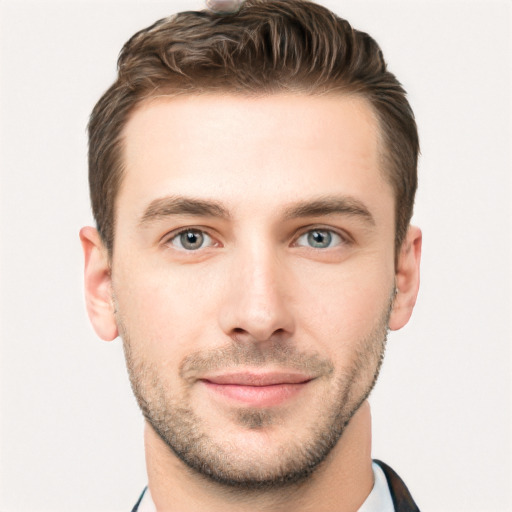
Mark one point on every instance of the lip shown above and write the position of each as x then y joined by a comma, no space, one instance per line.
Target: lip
257,389
258,379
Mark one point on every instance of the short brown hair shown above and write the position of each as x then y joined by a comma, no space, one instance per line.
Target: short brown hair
268,46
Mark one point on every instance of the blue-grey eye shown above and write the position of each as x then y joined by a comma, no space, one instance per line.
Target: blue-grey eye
319,239
191,240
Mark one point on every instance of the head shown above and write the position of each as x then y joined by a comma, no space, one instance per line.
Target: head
264,48
252,178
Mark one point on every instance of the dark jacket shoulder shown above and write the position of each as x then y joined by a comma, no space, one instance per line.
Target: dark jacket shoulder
402,499
136,507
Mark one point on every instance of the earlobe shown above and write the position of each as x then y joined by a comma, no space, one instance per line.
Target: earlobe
407,278
98,285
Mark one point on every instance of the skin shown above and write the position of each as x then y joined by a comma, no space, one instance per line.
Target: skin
256,296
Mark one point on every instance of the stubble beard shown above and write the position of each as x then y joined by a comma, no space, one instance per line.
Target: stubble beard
172,417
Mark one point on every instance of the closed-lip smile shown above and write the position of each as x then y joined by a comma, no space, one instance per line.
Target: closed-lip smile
257,389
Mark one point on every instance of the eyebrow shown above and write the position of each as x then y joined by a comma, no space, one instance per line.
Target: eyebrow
178,205
330,205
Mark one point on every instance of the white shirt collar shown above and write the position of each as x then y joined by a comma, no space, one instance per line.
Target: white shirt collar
379,500
146,504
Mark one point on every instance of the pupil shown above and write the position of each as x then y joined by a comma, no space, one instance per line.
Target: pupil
191,240
320,238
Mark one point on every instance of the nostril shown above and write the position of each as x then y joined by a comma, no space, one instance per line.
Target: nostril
242,335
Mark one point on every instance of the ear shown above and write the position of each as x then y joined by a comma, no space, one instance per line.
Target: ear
98,284
407,278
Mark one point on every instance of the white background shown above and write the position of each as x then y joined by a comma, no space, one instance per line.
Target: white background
71,433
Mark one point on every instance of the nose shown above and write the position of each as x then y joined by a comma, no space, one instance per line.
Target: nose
257,304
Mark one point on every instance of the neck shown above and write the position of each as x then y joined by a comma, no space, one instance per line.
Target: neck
341,483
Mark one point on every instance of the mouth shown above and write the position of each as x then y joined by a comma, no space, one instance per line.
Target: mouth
257,389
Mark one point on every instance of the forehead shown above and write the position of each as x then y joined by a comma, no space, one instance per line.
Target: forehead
272,149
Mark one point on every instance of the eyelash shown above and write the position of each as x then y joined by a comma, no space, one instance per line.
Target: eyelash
343,239
332,235
192,230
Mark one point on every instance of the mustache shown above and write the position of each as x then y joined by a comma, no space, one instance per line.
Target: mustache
254,355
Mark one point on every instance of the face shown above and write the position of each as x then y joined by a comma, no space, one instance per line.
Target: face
253,277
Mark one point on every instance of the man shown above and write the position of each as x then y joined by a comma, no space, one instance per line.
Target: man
252,177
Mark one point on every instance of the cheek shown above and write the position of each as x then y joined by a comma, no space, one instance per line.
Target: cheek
164,312
342,305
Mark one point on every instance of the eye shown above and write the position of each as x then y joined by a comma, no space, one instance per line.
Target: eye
191,240
319,239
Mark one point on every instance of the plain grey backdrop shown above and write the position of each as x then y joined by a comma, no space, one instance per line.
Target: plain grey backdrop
70,431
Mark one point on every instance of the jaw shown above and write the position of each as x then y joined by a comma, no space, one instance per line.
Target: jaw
345,477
